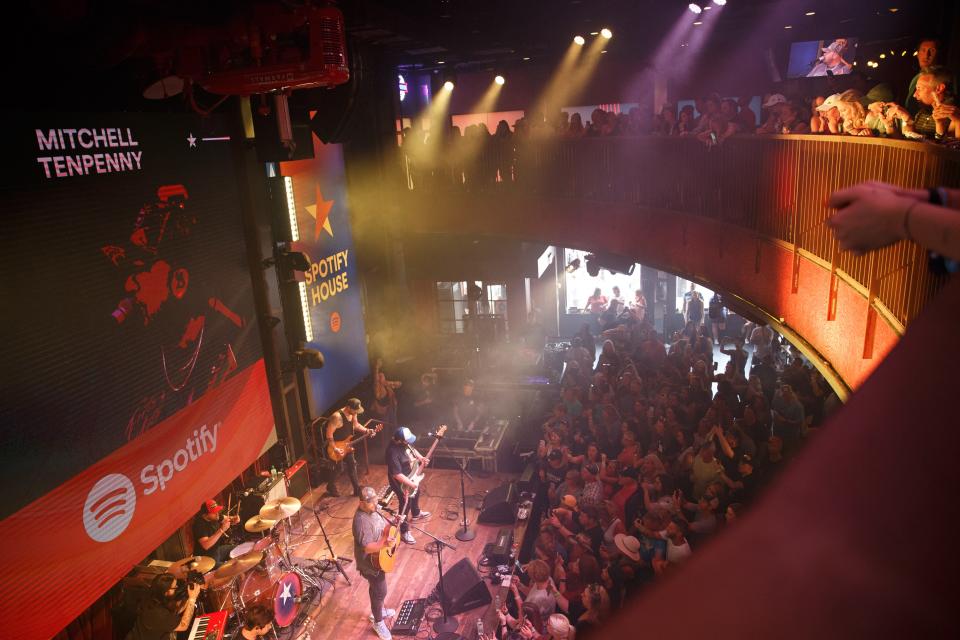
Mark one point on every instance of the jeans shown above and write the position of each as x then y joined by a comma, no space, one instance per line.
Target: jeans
350,462
378,593
414,509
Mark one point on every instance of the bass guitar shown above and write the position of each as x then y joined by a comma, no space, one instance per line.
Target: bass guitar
419,469
337,450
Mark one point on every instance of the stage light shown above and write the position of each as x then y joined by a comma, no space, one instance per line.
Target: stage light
720,3
594,33
305,311
309,358
606,33
903,53
291,209
789,26
695,8
525,58
810,13
448,85
579,40
499,80
894,9
882,56
698,23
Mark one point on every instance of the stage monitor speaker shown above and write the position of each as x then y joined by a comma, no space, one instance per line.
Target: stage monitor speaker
463,588
298,480
499,506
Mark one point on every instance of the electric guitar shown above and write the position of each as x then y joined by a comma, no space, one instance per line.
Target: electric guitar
419,469
337,450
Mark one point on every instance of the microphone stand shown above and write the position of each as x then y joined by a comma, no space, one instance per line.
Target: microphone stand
465,533
333,556
445,624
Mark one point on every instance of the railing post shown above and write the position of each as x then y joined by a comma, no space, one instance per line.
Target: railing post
870,333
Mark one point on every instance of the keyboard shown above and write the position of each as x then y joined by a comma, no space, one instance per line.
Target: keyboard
409,617
209,626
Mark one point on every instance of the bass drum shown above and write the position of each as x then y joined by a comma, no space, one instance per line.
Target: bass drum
285,605
258,585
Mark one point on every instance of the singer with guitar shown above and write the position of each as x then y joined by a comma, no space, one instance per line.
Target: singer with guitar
210,531
341,427
370,536
400,460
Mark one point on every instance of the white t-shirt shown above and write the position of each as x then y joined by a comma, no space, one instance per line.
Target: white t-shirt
677,553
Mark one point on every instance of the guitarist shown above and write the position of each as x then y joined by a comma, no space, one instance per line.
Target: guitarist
400,456
341,425
369,529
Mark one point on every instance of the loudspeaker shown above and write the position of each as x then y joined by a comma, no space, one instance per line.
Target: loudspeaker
298,480
463,588
499,506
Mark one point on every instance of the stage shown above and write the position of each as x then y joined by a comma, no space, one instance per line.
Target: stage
343,612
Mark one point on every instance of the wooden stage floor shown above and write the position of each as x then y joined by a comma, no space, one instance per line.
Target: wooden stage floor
344,612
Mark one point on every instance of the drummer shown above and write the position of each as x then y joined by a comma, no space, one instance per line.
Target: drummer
210,531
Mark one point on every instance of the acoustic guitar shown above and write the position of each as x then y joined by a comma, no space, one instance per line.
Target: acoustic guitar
337,450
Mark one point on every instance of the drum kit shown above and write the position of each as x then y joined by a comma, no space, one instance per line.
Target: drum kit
259,571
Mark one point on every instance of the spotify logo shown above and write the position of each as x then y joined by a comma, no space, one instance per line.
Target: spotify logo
109,507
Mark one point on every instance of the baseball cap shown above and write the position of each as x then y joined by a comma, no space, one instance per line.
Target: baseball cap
569,501
836,46
354,404
212,507
774,99
403,433
831,101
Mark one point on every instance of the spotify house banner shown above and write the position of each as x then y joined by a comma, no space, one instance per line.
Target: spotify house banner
331,287
133,378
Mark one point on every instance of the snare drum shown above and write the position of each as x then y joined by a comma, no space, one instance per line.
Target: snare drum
241,549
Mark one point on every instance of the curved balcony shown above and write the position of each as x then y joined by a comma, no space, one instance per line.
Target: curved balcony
747,217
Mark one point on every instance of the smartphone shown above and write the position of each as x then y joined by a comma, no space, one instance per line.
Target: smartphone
713,137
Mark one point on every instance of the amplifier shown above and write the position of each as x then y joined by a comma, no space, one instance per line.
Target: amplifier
254,499
298,480
498,552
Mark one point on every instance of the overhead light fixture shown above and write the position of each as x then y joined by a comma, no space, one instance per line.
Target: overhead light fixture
604,51
499,80
594,33
525,58
448,85
882,56
698,23
579,40
441,62
695,8
893,9
789,26
573,266
903,53
291,209
810,13
720,3
309,358
606,33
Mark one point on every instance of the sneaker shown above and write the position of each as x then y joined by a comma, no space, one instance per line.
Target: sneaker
386,613
423,515
408,538
381,629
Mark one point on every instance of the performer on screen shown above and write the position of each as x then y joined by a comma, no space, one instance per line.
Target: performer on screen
210,531
368,538
341,425
400,456
165,612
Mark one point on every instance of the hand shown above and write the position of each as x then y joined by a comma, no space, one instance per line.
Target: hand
560,571
193,591
945,112
867,217
425,461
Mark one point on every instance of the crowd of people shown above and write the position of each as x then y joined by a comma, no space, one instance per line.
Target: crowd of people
648,453
924,112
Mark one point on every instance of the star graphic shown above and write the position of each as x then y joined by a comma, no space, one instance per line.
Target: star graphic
192,140
286,593
321,213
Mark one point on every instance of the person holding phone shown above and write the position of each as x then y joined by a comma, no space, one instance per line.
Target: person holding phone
937,117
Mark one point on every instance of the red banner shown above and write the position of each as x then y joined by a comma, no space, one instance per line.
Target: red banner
68,547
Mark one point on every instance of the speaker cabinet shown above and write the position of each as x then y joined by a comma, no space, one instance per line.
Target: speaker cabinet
463,588
298,480
499,506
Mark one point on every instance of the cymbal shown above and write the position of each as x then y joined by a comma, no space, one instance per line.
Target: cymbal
256,524
238,565
280,508
202,564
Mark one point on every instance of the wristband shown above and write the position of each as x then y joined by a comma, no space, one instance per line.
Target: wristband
935,196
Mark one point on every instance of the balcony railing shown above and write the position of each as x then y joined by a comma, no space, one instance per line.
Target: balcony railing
775,186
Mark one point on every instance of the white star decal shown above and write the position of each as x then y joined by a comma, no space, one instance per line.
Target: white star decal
192,140
286,593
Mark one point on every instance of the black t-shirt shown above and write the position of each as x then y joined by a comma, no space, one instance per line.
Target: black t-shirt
468,408
554,475
397,461
203,528
596,539
155,622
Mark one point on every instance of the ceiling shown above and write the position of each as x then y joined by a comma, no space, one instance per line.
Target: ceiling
88,49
